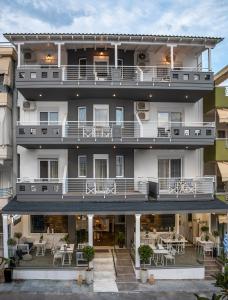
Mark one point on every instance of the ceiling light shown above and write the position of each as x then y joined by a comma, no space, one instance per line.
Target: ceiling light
40,95
77,95
186,147
151,147
40,147
77,147
114,95
150,95
114,147
186,97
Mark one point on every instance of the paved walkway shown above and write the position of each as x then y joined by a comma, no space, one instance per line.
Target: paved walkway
104,273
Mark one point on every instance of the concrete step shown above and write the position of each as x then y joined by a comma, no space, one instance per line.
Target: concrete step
126,278
104,275
124,270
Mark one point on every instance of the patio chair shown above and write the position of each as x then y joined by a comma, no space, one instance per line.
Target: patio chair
24,248
170,257
88,131
82,245
207,248
90,187
57,256
110,187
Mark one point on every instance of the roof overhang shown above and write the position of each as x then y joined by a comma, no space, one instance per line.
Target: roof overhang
113,38
116,208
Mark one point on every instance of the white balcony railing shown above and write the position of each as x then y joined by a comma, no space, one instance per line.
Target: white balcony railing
113,129
158,73
84,186
184,186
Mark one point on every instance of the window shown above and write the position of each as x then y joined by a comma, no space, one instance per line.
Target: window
1,82
186,77
119,115
164,119
48,168
82,166
50,118
56,224
82,115
119,166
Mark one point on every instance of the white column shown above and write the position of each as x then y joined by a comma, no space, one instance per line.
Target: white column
209,59
5,235
137,240
171,57
18,55
177,224
59,55
90,229
209,223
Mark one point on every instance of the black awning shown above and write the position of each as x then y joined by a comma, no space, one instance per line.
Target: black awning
124,207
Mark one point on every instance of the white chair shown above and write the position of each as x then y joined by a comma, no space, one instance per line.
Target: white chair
57,256
170,257
24,248
208,248
82,245
90,187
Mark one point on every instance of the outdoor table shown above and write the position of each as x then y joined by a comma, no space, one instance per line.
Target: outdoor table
67,250
159,255
40,247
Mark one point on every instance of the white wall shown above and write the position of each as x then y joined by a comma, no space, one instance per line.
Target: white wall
146,161
29,116
29,160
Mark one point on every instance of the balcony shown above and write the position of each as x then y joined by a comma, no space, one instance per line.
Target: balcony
182,188
122,78
131,133
78,189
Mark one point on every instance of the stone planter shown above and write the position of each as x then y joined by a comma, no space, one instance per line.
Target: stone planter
143,275
89,276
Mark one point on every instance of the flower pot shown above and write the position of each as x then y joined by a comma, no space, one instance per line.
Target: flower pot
143,275
89,276
8,274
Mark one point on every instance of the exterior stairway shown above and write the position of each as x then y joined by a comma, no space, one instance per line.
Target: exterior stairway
211,268
125,274
104,273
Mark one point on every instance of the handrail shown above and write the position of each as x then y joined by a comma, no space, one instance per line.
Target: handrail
101,123
137,67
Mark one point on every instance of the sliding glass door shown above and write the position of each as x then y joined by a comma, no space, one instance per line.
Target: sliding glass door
48,169
100,171
168,169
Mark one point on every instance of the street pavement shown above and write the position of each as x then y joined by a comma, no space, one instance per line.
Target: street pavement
69,290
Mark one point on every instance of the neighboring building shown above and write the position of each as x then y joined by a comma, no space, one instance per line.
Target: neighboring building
7,64
216,156
111,138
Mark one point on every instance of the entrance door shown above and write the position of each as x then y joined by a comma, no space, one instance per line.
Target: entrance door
100,171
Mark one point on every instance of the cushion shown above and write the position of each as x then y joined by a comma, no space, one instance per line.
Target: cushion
27,257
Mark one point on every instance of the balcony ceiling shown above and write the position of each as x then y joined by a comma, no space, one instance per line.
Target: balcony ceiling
136,93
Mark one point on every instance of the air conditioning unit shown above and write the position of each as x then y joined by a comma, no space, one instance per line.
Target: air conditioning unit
29,106
143,115
142,106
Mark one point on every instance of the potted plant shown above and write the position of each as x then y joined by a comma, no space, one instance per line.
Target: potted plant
204,229
12,246
145,253
18,235
8,269
88,253
120,239
65,239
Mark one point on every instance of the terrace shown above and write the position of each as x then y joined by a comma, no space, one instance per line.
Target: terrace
195,134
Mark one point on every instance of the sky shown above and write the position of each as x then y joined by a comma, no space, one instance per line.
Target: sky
175,17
